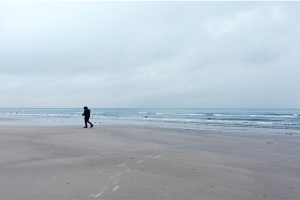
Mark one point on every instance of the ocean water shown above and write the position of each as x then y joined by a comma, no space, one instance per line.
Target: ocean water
178,118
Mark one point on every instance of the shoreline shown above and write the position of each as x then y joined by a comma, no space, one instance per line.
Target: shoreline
140,162
14,122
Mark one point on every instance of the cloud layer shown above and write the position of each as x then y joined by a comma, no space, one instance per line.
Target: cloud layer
150,54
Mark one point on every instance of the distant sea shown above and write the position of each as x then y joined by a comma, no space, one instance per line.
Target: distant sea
189,118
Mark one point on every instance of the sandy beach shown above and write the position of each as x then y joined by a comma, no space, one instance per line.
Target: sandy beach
136,162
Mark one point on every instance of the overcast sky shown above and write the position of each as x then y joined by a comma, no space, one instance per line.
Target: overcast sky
150,54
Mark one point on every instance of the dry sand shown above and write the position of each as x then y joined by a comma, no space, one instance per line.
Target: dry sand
133,162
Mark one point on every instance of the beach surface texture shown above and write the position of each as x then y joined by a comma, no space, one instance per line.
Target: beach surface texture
140,162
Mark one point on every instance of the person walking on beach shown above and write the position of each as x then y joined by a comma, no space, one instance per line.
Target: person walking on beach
86,115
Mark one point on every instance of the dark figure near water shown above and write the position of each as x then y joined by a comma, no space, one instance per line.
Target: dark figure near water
86,115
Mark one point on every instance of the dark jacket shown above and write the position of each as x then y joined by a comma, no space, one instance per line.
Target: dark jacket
86,113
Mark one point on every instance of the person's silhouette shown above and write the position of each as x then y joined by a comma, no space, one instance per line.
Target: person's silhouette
86,115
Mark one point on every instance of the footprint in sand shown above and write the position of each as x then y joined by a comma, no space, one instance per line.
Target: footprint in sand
116,187
115,180
141,161
99,194
157,156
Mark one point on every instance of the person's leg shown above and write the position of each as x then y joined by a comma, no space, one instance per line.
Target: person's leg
85,121
90,123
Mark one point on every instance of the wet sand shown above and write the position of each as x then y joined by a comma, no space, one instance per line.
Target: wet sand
134,162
